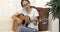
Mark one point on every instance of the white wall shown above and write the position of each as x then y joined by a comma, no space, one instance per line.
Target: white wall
42,3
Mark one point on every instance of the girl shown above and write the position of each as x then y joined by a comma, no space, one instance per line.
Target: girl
31,12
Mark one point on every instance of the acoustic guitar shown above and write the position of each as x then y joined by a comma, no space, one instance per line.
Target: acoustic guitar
22,17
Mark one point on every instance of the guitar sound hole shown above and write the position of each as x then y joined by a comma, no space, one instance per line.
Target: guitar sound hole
23,22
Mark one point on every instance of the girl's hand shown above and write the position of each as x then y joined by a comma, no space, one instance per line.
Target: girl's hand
34,22
19,21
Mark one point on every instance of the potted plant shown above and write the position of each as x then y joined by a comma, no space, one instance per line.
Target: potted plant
55,8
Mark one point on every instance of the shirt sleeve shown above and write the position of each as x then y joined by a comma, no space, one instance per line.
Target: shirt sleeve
36,13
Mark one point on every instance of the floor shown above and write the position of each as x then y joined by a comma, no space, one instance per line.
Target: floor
44,31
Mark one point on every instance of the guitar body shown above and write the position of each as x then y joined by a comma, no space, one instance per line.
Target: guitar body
21,17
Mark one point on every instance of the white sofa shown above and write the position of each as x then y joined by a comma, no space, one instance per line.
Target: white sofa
6,24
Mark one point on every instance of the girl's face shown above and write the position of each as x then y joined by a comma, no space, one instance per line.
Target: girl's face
26,4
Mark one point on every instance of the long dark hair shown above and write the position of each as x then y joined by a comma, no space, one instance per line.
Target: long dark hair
24,0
